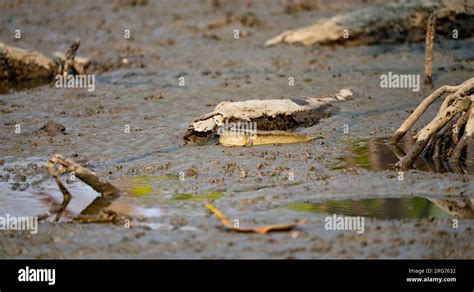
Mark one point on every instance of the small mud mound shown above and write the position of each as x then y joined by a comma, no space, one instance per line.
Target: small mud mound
51,129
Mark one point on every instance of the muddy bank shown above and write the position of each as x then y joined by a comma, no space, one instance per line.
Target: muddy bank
405,239
195,41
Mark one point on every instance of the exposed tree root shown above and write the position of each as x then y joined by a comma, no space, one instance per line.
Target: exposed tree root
449,133
59,165
468,131
394,22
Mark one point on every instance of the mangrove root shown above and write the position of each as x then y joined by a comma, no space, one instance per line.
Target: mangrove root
264,115
391,23
450,133
59,165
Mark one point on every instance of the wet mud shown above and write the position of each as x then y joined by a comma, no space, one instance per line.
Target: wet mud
166,183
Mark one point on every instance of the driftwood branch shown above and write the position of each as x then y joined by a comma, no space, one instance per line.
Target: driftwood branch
18,64
268,115
394,22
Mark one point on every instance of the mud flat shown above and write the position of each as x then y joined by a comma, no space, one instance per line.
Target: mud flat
166,183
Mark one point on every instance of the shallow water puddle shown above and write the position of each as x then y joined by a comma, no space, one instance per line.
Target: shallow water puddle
375,154
144,196
35,202
165,191
391,208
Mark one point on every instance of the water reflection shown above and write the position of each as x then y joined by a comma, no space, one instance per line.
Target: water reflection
392,208
375,154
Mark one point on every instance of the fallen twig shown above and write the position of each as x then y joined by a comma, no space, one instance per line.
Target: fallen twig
261,230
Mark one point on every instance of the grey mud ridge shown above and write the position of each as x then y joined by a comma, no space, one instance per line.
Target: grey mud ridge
137,85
